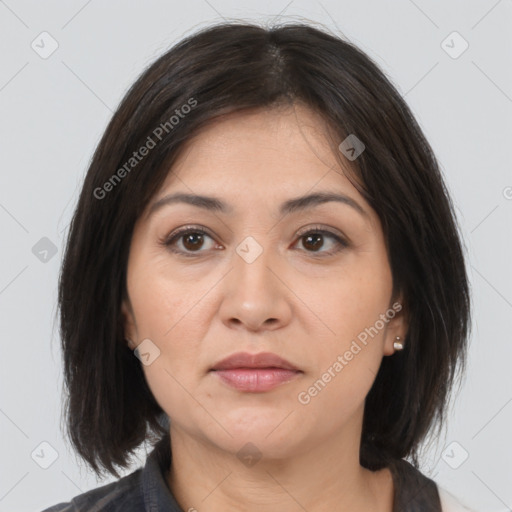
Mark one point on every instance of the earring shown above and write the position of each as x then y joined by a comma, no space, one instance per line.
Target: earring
398,345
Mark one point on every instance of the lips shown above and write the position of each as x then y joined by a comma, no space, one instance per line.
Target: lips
262,360
255,373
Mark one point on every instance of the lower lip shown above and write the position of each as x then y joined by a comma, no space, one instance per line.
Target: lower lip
256,379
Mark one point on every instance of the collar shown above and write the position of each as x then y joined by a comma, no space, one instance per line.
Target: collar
156,492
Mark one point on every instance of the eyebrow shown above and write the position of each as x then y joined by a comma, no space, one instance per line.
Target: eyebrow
290,206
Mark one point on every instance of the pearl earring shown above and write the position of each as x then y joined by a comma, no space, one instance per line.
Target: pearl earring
398,345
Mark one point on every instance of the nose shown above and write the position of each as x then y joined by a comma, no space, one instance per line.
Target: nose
255,297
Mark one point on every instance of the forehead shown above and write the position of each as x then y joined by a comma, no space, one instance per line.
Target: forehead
283,149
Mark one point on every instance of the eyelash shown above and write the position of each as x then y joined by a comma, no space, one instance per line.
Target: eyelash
170,240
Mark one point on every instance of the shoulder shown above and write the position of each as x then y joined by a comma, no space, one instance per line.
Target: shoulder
144,489
416,491
124,495
449,503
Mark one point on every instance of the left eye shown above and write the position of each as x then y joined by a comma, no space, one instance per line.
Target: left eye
314,238
192,240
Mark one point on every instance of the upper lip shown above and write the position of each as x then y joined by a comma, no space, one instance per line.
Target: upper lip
261,360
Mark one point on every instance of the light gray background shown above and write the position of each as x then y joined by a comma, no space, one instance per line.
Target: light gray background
54,110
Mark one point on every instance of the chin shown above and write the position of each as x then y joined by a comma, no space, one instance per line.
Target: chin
262,432
257,446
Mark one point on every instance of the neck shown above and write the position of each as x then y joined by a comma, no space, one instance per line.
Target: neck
327,476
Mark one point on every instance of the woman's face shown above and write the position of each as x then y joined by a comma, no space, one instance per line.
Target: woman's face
255,281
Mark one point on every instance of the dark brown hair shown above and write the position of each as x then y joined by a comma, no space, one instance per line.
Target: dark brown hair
232,67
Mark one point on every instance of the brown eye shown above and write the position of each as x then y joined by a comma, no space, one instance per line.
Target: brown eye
192,241
188,241
314,241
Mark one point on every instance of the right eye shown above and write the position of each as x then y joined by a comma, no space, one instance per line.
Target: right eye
191,240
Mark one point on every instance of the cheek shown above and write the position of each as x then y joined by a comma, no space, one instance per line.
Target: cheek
354,330
169,388
342,395
171,323
351,302
347,366
161,299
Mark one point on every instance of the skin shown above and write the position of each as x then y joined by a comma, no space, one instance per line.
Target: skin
294,300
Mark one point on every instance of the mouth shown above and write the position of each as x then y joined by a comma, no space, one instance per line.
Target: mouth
255,372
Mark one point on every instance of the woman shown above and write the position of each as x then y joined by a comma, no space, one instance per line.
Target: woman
264,275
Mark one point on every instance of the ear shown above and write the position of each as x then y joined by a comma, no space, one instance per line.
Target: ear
129,325
397,325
